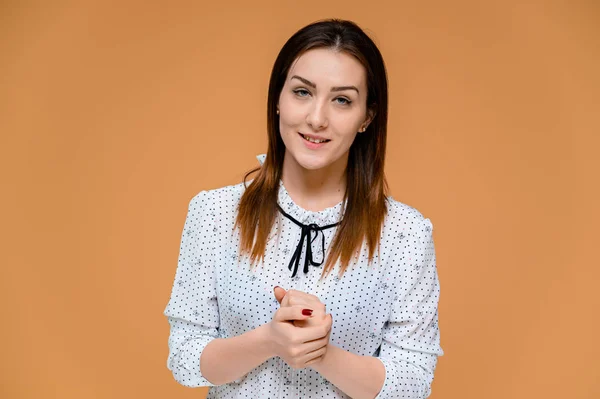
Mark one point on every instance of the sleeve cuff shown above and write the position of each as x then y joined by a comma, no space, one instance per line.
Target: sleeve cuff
185,365
402,380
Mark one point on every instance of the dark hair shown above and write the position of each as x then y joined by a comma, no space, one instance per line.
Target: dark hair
366,186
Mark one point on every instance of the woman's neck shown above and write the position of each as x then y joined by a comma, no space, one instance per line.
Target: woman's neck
315,190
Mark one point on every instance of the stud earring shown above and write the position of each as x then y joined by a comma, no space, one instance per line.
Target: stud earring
278,112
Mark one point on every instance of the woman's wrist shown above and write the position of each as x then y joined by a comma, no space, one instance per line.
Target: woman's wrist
262,340
227,359
318,366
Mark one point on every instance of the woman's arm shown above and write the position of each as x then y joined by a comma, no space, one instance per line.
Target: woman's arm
410,345
195,345
193,311
227,359
357,376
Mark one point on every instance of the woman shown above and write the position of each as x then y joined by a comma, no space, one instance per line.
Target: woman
317,204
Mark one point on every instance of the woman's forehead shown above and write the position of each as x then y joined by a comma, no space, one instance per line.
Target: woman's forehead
328,68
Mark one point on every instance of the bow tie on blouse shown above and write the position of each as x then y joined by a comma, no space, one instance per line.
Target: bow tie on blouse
306,232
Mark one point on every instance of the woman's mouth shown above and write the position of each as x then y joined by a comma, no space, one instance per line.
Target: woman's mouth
313,144
316,141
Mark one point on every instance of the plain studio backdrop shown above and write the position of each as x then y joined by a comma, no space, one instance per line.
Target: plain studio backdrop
114,114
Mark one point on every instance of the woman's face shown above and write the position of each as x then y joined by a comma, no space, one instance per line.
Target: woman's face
324,96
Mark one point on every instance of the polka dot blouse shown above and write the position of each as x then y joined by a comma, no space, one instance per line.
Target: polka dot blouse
388,309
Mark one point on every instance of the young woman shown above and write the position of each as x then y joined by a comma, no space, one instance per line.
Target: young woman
255,310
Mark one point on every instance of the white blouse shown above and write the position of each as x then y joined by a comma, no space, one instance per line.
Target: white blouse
388,310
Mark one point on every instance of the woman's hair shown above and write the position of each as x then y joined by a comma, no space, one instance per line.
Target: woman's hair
366,186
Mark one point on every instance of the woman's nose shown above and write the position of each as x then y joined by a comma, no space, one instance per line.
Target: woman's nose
317,117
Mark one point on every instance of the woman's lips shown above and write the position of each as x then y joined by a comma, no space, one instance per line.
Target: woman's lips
311,145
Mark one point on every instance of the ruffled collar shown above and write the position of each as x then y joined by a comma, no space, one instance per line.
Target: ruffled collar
326,216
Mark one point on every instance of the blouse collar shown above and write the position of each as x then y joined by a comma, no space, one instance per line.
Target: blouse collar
326,216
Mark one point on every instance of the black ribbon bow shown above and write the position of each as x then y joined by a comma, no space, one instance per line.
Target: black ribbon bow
306,232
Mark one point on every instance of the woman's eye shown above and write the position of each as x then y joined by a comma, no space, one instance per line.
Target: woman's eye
344,101
301,92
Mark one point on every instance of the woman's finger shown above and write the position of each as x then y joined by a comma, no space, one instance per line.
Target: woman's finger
290,313
315,356
317,343
315,332
295,297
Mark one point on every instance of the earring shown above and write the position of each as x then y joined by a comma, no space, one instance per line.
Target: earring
362,130
277,111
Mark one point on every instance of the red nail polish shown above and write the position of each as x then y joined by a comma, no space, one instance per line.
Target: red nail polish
307,312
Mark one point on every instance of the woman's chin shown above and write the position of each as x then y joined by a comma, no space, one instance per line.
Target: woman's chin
312,162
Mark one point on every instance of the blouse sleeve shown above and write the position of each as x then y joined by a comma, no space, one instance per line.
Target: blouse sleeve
192,310
411,339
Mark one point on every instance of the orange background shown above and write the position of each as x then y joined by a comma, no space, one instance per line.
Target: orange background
114,114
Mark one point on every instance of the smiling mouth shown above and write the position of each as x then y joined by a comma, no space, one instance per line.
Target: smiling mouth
314,140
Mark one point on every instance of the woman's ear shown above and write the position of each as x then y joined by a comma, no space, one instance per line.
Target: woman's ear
371,112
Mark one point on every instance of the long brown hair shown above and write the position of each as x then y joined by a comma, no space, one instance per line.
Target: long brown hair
366,186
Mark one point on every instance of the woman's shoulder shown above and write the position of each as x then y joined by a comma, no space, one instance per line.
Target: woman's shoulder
404,218
220,197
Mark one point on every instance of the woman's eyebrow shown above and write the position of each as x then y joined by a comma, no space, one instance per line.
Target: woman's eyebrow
314,86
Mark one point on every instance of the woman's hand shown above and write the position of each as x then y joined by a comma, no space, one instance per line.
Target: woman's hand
295,297
319,317
298,347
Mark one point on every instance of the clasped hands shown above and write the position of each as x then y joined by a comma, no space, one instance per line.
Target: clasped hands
299,339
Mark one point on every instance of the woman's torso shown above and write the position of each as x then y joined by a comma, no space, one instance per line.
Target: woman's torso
360,300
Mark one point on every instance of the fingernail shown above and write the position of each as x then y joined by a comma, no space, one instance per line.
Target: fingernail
276,286
307,312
